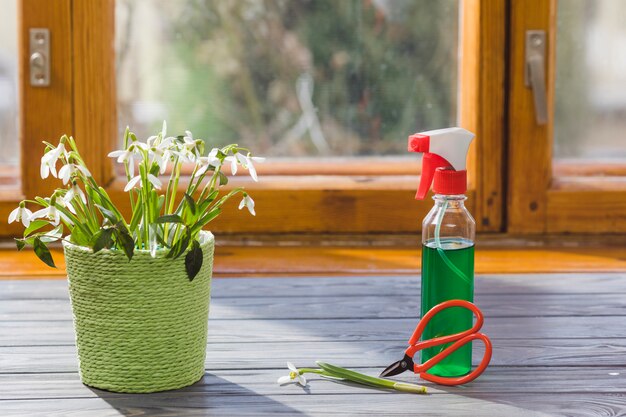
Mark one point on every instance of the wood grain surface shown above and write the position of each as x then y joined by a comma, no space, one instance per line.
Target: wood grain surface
237,261
559,348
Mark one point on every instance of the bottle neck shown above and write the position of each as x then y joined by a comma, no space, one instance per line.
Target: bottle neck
453,200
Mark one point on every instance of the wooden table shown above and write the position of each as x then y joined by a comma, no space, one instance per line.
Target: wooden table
559,349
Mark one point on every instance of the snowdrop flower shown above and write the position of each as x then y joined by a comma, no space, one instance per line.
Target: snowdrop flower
152,140
73,192
233,163
248,202
246,162
21,214
51,213
68,171
190,149
294,376
49,161
210,160
129,155
151,178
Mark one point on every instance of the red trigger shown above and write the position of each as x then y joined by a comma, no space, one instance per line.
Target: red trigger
430,162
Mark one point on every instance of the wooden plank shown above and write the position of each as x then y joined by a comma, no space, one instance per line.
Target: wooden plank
574,208
357,286
299,403
248,382
27,333
482,104
549,352
333,307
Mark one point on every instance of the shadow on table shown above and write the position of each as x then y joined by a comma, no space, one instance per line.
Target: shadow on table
211,395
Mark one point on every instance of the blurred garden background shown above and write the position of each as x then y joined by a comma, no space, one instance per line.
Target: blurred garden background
289,78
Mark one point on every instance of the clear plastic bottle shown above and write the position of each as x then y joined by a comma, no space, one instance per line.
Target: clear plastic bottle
448,234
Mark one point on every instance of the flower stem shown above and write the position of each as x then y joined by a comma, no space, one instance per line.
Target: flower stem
333,371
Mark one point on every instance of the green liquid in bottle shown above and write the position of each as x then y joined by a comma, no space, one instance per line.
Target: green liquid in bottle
440,283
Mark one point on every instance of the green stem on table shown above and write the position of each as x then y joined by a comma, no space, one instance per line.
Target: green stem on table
333,371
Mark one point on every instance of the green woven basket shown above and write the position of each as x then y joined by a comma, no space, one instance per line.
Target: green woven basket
141,326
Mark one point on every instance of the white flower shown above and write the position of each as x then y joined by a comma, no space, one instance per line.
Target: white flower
129,155
294,376
137,180
49,161
21,214
233,163
67,171
190,147
51,213
72,192
248,202
246,162
210,160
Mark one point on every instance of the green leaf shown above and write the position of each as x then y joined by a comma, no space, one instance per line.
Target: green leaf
193,260
180,246
159,238
154,169
108,214
125,241
207,201
160,203
169,218
20,243
53,235
355,376
190,203
35,225
223,178
93,195
134,221
79,237
206,219
102,239
43,253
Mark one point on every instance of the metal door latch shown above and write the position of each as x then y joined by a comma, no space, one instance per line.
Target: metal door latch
534,74
39,62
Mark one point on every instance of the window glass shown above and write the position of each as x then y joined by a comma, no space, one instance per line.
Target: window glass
590,103
9,141
289,78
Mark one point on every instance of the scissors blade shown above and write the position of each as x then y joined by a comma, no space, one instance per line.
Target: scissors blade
398,367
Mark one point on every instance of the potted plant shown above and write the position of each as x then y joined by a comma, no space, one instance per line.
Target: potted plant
139,285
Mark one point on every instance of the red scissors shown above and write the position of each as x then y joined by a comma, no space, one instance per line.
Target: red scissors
459,340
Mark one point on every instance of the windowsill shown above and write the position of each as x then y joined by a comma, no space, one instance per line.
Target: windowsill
325,255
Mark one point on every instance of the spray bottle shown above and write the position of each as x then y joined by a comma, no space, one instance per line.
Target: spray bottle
448,234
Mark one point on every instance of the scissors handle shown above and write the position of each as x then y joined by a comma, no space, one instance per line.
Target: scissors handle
414,345
422,368
459,339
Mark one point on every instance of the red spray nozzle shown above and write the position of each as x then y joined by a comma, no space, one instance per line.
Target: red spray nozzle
445,152
430,164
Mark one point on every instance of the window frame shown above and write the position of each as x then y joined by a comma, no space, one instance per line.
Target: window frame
369,198
546,196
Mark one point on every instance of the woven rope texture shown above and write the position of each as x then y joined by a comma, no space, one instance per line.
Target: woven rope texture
141,326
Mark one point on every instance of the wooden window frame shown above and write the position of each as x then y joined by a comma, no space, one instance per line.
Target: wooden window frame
356,197
546,196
